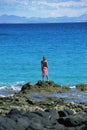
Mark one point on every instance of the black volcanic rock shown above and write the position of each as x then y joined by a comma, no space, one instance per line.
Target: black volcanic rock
49,119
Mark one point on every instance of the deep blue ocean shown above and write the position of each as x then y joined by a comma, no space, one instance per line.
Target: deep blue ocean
22,47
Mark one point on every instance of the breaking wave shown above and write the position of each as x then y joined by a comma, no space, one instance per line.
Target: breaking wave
8,89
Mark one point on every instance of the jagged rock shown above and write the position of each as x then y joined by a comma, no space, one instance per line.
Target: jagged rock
53,113
27,86
42,120
43,86
81,87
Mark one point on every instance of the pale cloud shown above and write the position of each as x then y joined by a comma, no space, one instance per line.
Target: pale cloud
51,3
69,13
64,4
58,9
8,1
12,2
44,8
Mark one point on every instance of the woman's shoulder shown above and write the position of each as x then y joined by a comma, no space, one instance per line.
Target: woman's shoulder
45,60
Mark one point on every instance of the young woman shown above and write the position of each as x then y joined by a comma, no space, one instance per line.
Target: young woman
44,68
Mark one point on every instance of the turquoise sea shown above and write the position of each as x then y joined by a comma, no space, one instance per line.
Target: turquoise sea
22,47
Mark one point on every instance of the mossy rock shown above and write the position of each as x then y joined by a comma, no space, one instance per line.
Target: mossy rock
26,87
40,86
82,87
65,88
47,84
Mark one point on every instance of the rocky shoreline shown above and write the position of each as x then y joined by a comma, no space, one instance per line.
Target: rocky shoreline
20,112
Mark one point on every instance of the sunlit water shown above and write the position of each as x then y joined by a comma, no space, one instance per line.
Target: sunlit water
22,47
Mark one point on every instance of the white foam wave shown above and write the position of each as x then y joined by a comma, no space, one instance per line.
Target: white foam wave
14,86
72,87
2,95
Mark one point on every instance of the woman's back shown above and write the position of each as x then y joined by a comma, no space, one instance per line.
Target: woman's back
44,63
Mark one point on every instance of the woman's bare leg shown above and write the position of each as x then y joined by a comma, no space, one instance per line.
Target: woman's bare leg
47,77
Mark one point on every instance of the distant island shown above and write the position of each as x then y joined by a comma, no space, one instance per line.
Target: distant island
17,19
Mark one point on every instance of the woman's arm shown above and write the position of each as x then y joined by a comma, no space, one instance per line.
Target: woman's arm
47,64
41,65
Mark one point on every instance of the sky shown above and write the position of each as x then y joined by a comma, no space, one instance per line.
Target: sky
43,8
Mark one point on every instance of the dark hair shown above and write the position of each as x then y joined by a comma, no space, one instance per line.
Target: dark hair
44,58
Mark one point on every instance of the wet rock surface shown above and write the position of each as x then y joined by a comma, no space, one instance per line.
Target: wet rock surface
41,86
81,87
49,119
20,112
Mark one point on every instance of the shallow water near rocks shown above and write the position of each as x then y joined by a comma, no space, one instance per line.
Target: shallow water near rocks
71,96
37,96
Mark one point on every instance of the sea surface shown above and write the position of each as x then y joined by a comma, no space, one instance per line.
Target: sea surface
22,47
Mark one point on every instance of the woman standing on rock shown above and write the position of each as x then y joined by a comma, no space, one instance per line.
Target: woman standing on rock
44,68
